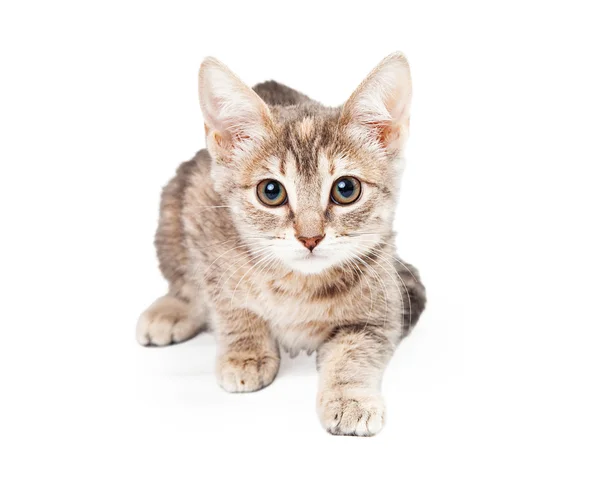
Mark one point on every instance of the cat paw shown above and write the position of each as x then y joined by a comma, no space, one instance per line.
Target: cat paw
166,322
246,372
351,413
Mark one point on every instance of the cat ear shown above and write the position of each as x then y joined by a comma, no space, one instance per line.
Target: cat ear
236,118
378,112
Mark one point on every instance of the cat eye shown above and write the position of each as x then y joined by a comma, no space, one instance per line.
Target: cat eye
271,193
345,190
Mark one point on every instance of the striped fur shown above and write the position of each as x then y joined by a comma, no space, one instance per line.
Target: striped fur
234,265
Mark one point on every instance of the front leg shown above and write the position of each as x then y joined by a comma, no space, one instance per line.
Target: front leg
248,358
351,366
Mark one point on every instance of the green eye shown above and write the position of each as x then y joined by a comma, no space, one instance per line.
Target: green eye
271,193
345,190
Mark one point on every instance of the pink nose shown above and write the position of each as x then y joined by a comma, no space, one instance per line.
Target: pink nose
312,242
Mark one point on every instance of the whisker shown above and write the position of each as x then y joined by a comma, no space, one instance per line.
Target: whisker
262,254
235,238
236,260
268,256
216,206
223,254
380,280
352,235
400,292
268,267
353,264
394,257
381,254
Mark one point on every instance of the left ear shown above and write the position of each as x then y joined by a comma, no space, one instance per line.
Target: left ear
236,119
378,112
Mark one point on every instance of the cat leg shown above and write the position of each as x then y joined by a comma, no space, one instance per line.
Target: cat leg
351,365
248,358
170,320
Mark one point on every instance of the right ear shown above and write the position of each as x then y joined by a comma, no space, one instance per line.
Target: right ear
378,111
236,119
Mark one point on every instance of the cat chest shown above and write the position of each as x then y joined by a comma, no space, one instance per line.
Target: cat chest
299,324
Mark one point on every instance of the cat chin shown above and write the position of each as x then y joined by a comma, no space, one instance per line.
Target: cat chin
310,265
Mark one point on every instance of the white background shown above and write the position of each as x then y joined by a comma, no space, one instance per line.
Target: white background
499,210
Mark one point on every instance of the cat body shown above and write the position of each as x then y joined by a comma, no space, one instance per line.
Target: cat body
279,236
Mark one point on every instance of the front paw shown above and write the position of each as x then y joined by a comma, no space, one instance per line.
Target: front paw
351,412
167,321
246,372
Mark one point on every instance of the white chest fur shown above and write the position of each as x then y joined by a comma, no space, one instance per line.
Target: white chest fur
298,325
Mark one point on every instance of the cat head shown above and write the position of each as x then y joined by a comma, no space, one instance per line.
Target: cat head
312,186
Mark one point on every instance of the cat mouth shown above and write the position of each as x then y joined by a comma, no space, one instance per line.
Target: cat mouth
308,262
313,256
315,261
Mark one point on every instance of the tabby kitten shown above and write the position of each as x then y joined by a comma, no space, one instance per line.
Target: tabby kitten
279,235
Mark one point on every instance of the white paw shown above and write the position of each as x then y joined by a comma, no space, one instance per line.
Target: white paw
166,322
351,413
246,372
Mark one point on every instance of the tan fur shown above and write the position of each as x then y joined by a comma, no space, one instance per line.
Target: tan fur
221,249
305,128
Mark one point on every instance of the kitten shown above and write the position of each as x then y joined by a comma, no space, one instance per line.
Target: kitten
280,235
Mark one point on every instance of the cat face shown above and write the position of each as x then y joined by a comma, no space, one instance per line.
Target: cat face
310,186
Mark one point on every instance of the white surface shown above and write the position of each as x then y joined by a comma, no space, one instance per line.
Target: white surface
499,211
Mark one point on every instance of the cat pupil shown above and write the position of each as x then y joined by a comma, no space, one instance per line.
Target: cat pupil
272,190
345,188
